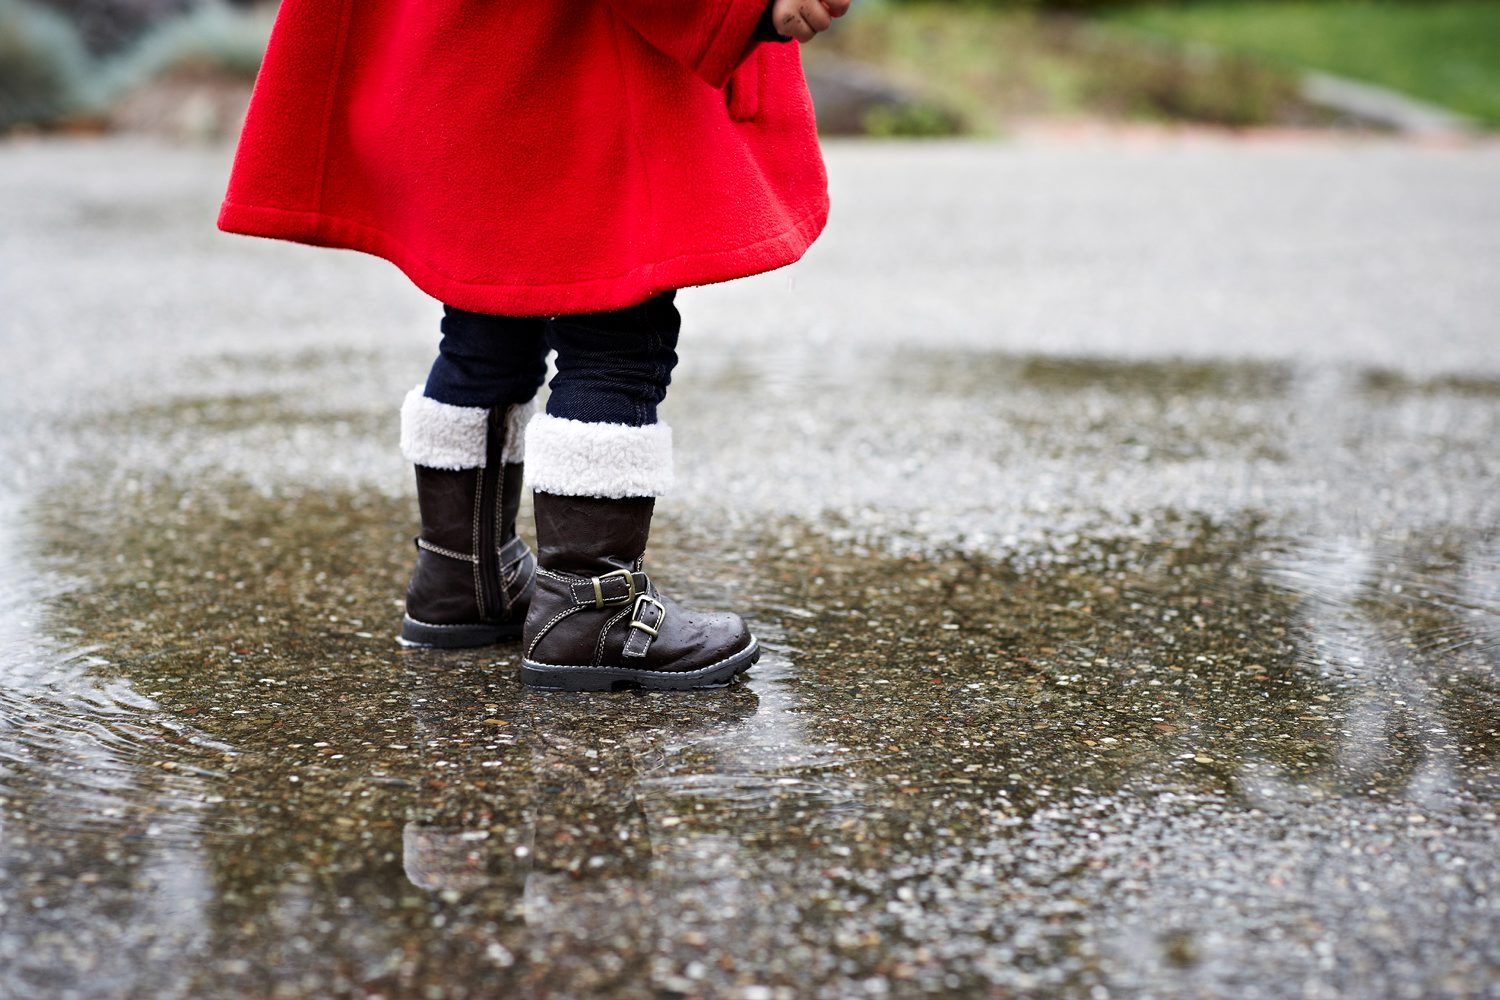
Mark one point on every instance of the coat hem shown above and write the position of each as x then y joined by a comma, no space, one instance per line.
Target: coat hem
586,295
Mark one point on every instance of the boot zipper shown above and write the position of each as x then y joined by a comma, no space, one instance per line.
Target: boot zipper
489,508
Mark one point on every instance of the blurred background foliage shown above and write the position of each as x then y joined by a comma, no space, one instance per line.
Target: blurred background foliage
998,63
1229,62
75,63
897,67
1443,51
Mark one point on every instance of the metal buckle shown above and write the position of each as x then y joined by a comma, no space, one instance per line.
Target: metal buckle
598,582
635,616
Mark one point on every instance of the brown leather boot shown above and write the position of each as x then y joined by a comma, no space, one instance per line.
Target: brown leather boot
598,623
474,577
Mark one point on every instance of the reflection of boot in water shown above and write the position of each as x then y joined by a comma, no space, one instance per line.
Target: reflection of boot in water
552,791
437,858
591,843
469,827
539,823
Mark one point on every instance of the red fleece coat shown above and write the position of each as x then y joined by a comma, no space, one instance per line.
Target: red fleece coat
537,157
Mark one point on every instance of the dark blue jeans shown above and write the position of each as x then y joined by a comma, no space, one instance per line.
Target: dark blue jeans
612,367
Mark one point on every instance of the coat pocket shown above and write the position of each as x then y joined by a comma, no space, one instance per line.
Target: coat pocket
744,87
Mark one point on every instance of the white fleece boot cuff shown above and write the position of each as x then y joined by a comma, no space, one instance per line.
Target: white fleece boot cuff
579,459
443,436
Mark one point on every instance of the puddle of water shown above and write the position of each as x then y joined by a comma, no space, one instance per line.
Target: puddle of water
1251,726
1385,382
230,413
1171,378
1025,455
947,775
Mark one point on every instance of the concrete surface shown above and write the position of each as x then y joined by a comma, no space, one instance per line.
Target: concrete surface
1120,521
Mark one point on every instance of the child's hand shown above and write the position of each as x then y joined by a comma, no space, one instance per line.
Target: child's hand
802,19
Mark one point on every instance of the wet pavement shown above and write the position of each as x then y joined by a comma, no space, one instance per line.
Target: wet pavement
1120,524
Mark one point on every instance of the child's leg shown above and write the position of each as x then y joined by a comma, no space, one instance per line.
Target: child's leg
486,361
599,458
614,367
465,433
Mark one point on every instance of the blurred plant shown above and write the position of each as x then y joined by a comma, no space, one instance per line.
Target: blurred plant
214,39
911,121
46,75
1144,78
1041,6
994,63
107,27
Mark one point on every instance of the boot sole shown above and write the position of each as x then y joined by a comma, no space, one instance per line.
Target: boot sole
415,633
557,677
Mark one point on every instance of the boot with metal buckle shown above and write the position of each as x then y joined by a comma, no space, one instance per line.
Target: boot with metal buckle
474,577
598,623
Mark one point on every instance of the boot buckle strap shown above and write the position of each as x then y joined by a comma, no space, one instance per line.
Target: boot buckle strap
512,550
427,546
605,589
643,628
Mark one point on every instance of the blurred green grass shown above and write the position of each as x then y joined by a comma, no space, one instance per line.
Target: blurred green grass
1444,51
994,64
